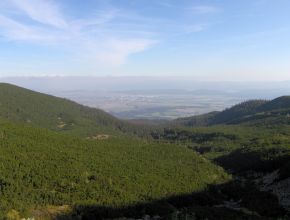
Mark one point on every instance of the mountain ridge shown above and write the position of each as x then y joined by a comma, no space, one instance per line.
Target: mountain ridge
240,113
22,105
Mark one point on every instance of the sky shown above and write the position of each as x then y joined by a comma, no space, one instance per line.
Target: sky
226,40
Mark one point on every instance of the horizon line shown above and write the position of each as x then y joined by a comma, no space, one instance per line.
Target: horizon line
135,76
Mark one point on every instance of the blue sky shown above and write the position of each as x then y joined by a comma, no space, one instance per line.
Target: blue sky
205,40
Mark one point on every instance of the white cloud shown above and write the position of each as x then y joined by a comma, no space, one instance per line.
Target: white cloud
15,31
42,11
116,51
80,36
107,36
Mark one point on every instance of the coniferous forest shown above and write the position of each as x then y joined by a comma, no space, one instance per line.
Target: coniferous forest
62,160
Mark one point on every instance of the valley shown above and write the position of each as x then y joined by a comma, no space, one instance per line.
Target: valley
144,110
63,160
157,104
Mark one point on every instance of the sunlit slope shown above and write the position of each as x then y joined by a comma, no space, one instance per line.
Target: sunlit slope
41,167
26,106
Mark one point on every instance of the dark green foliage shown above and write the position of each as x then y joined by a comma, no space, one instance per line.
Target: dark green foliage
197,137
282,102
199,120
238,111
254,112
40,167
227,116
237,148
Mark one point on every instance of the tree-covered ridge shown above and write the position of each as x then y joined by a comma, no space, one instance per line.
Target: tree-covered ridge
238,111
22,105
282,102
253,111
41,167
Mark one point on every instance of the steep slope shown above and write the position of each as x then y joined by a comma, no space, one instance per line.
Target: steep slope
40,167
25,106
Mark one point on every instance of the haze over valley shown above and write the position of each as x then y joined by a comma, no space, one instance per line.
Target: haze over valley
153,97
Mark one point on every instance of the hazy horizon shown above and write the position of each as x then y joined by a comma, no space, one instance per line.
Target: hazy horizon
152,97
138,83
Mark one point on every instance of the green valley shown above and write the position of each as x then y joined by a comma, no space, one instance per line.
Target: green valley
62,160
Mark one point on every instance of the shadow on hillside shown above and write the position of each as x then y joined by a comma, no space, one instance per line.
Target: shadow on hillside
218,202
242,160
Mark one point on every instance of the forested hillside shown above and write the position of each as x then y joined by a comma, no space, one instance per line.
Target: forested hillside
253,111
25,106
41,168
